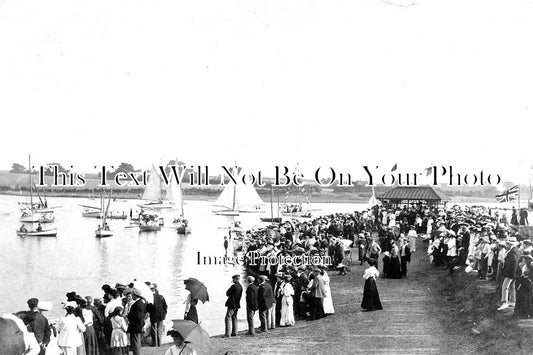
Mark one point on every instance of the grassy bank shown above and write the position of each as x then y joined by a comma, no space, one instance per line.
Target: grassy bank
470,314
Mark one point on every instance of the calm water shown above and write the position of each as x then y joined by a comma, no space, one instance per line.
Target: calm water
48,268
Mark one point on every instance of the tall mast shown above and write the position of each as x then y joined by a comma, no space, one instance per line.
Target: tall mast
271,203
31,183
235,189
181,193
278,205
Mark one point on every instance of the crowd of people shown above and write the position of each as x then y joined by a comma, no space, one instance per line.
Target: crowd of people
480,239
114,324
496,250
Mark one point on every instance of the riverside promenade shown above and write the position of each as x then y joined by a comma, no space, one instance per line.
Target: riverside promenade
408,323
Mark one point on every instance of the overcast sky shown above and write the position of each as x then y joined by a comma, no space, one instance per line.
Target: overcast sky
322,83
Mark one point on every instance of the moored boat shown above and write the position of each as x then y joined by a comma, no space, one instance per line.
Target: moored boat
103,230
52,232
238,199
149,227
103,233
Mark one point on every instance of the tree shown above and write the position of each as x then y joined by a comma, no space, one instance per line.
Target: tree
17,169
126,168
49,170
122,168
177,164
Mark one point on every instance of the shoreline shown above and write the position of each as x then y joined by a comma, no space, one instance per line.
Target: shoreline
327,197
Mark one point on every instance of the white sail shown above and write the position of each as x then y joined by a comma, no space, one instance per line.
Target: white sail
247,197
226,197
239,198
154,189
173,193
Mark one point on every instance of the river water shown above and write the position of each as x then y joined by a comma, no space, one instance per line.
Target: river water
48,268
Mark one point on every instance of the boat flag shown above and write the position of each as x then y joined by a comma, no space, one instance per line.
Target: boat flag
508,195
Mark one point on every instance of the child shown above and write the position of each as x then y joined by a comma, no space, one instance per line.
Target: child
119,337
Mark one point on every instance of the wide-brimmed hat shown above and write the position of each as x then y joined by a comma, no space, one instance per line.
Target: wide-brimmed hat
136,292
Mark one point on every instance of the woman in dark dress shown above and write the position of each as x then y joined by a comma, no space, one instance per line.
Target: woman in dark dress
190,309
394,270
386,264
371,300
524,300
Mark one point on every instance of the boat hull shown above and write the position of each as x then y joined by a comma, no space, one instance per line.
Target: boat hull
103,233
271,220
44,233
184,230
227,213
146,228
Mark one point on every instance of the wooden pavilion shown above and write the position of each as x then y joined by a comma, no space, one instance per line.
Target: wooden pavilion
407,195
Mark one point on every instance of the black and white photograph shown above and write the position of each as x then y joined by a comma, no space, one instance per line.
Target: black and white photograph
266,177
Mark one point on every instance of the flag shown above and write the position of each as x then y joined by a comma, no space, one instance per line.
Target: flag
394,167
508,195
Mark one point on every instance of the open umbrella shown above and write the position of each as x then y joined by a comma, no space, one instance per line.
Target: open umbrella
146,293
197,289
194,334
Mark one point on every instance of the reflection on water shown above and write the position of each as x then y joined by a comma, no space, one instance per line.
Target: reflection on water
48,268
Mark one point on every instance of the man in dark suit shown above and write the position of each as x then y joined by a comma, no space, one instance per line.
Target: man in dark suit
233,303
405,256
251,304
39,325
300,287
265,300
158,312
136,321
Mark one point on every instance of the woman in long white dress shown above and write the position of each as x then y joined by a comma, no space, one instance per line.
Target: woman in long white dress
327,301
287,310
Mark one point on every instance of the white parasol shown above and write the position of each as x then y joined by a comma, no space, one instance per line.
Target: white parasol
146,293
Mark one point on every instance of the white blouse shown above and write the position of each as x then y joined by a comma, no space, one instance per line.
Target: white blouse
371,272
87,316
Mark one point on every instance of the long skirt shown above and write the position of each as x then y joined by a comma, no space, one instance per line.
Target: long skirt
287,312
327,302
395,271
524,299
386,266
371,300
91,344
192,315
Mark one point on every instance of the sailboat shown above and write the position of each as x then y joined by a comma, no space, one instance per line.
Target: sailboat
176,194
158,196
33,213
272,219
298,209
235,200
31,216
103,230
